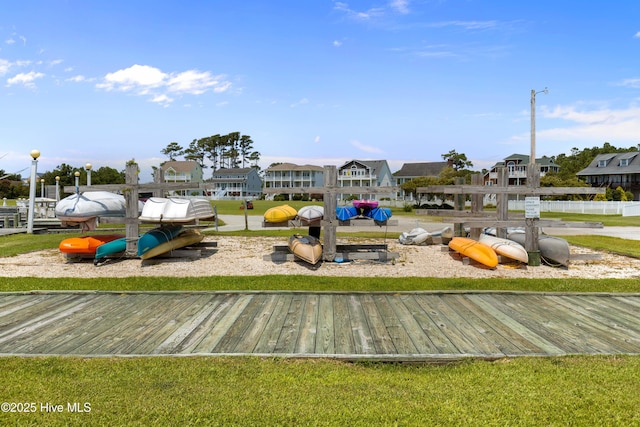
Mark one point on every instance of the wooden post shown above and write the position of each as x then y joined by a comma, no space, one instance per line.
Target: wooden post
458,204
131,218
531,224
158,178
502,201
476,204
330,222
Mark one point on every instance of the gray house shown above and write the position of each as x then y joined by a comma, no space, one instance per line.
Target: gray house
366,173
411,171
236,183
615,170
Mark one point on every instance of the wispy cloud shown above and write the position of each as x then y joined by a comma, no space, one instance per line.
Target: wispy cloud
400,6
366,148
25,79
161,87
303,101
637,35
364,15
466,25
633,83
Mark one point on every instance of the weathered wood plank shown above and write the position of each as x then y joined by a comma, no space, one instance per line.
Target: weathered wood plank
401,340
441,343
413,329
380,336
490,306
325,343
210,341
344,341
309,325
269,338
291,327
249,340
236,332
362,339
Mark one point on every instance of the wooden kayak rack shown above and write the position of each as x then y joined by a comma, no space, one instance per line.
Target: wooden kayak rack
330,250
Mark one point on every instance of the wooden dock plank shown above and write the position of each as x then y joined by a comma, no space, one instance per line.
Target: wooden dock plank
401,340
308,328
362,338
272,330
236,332
291,327
414,330
325,342
487,304
257,327
380,336
194,342
214,335
343,336
440,341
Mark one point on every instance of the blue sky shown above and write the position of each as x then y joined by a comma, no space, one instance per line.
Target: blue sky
317,81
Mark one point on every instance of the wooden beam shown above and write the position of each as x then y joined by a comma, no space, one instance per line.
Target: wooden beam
522,190
141,187
333,190
483,223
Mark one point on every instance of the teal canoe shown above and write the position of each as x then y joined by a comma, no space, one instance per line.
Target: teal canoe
157,236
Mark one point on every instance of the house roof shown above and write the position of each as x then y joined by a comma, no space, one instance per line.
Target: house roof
613,166
524,159
294,167
223,172
179,165
421,169
375,165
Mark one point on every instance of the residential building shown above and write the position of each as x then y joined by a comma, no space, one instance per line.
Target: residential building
289,175
615,170
411,171
235,183
517,165
182,171
366,173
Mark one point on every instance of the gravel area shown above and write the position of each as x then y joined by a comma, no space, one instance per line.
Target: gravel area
236,256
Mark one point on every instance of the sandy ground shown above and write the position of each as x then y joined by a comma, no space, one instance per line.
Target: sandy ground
245,256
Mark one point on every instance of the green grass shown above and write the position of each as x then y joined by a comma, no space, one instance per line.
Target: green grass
265,392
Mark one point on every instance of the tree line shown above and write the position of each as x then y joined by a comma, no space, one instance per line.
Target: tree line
228,151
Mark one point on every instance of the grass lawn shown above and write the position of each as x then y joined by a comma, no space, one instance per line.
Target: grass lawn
530,391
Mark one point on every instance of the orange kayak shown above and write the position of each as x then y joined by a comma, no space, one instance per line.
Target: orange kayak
475,250
86,245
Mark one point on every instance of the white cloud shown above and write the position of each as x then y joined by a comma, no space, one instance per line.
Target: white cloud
361,16
637,35
146,80
337,43
301,102
4,66
366,148
634,83
316,139
400,6
25,79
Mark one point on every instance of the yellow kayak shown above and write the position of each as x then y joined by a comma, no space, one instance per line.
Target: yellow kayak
475,250
280,214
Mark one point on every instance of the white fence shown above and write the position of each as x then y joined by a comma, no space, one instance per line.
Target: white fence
586,207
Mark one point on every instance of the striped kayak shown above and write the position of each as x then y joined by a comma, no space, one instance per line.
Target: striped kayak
157,236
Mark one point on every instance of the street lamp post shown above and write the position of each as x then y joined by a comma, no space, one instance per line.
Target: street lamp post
77,175
32,190
532,159
57,188
88,167
41,188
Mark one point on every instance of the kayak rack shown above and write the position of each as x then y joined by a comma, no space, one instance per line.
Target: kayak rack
344,253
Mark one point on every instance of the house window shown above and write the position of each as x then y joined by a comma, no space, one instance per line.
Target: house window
624,162
603,163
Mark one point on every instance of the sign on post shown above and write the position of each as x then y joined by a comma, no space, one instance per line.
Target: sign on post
532,207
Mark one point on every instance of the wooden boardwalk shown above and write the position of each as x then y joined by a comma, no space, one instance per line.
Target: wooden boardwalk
423,326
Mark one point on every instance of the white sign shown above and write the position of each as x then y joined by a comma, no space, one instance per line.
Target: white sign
532,207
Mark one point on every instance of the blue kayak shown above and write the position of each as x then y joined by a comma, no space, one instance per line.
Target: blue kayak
157,236
110,248
379,214
345,213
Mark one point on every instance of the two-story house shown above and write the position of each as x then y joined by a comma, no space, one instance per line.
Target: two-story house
235,183
289,175
182,171
517,165
366,173
410,171
615,170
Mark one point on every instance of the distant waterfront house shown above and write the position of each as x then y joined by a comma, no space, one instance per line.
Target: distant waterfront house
182,171
366,173
615,170
411,171
289,175
517,165
235,182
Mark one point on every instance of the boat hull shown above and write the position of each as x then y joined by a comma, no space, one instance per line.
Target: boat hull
280,213
110,248
157,236
475,250
185,238
554,251
365,204
311,213
85,246
345,213
505,247
306,248
172,210
379,214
